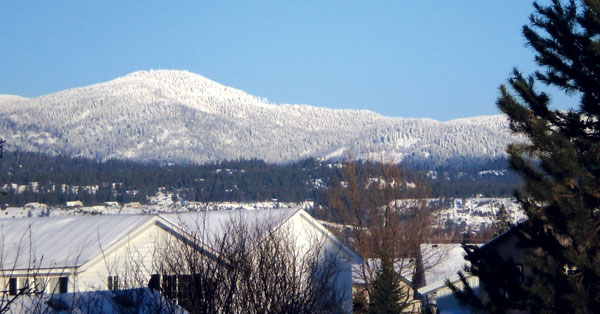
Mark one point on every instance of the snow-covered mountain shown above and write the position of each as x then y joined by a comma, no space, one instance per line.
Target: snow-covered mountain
179,116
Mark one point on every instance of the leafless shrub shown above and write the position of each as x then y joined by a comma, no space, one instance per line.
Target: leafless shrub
251,268
382,213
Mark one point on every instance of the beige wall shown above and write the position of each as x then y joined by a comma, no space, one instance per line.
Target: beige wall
133,260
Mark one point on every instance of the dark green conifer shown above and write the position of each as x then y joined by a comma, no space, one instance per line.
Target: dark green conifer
387,292
502,279
560,158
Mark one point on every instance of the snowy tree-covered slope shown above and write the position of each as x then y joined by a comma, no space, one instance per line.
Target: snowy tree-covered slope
179,116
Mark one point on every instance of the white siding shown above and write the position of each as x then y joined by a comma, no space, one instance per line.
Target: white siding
133,261
307,233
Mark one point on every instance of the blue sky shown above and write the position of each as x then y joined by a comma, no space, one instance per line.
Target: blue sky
410,58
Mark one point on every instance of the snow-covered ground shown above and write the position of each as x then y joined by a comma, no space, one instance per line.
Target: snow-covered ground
474,213
477,212
161,203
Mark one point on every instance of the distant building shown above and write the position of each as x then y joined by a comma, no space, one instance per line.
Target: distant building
35,205
507,246
74,204
136,205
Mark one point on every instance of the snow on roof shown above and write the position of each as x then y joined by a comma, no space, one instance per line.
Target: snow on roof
62,241
141,300
213,222
70,241
441,261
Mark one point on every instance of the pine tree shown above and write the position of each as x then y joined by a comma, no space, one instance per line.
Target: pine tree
502,282
387,292
502,221
560,158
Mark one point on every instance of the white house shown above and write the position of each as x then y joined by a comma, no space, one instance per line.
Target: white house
304,229
86,253
75,253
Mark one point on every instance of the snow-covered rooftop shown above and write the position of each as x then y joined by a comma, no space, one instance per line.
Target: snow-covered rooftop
213,222
51,242
441,261
70,241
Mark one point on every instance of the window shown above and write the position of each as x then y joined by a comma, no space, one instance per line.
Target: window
518,269
12,286
184,289
179,288
63,284
113,282
18,286
57,285
516,301
169,286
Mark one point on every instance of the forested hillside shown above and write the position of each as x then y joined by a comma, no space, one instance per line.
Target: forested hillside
34,177
178,116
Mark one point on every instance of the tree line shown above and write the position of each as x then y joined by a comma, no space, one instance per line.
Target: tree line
59,179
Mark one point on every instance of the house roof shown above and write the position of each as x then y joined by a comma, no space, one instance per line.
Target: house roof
355,258
71,241
212,223
66,241
441,262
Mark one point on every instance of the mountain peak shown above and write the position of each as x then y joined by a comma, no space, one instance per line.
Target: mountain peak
182,86
173,115
165,74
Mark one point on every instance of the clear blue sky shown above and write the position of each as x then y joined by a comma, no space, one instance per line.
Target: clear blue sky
408,58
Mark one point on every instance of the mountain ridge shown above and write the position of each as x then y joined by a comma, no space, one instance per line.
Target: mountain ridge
179,116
